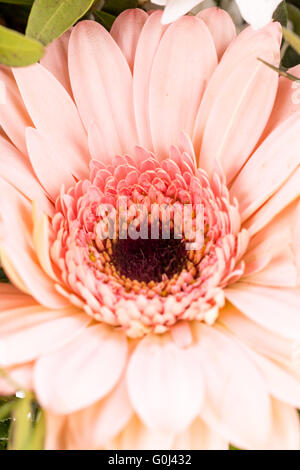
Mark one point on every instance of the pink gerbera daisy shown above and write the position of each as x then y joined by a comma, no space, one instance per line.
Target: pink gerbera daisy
141,343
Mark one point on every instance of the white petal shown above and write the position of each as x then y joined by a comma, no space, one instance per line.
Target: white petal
176,8
258,13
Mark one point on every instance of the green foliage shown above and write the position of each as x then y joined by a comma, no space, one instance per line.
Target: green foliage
115,7
18,2
292,38
104,18
18,50
3,277
281,14
291,57
49,19
22,424
6,405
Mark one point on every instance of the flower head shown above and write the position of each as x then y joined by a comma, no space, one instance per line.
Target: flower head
150,226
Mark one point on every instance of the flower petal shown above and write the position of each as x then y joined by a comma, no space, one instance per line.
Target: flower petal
280,241
51,169
199,436
285,429
29,332
20,377
148,43
56,60
241,108
174,103
11,297
176,8
16,170
55,115
258,13
287,101
96,65
237,404
266,171
17,253
137,436
13,115
97,424
97,356
228,100
273,308
126,31
165,384
221,26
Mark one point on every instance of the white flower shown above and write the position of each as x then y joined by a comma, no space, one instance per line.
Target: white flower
258,13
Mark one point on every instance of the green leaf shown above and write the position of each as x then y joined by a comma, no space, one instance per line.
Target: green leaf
292,38
3,277
37,436
294,17
17,50
6,409
49,19
115,7
104,18
290,58
281,14
18,2
22,424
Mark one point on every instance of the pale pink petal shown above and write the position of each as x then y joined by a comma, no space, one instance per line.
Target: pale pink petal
288,193
280,383
165,384
18,377
285,429
287,101
273,308
41,241
11,297
97,424
55,115
174,103
146,49
96,65
182,335
126,31
29,332
16,170
229,99
13,115
102,150
51,169
81,372
272,345
280,241
237,404
240,111
199,436
137,436
17,253
221,26
56,60
56,432
266,170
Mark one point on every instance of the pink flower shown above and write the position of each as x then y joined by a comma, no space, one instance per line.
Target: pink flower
148,345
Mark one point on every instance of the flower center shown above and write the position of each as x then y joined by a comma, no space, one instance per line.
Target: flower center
148,261
143,244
